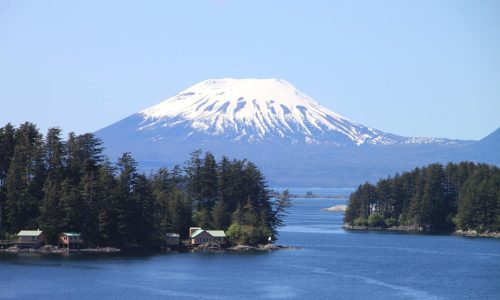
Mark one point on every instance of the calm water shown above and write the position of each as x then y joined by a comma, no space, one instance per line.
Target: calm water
332,264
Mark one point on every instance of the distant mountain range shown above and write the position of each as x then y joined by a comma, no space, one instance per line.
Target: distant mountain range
295,140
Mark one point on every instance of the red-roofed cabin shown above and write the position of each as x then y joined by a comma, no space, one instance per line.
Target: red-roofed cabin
70,240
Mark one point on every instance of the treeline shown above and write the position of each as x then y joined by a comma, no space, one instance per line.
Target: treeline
463,196
69,185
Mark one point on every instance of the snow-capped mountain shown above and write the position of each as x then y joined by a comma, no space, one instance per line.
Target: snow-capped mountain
258,110
295,140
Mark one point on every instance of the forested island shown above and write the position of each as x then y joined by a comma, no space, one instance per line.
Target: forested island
61,185
463,197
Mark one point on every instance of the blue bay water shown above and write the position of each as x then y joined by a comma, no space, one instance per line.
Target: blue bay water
331,264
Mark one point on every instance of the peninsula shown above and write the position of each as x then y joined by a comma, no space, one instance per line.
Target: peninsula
66,192
458,198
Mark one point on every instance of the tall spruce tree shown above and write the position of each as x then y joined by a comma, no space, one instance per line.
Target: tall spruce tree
208,181
193,177
24,181
7,144
52,209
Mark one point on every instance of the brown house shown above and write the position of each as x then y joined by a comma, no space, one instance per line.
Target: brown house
199,236
70,240
30,238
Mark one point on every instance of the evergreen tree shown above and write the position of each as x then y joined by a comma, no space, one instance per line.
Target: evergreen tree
125,205
143,222
180,213
464,195
208,181
24,181
7,144
70,186
51,209
220,216
109,206
281,206
193,177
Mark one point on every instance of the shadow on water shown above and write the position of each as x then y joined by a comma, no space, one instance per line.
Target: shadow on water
58,259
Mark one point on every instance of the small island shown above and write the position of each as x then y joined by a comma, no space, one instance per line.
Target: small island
65,195
462,199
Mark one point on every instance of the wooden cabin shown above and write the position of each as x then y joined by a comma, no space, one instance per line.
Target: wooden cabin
30,238
70,240
172,239
200,236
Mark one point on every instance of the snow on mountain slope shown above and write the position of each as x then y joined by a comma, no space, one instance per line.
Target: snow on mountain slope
295,140
261,109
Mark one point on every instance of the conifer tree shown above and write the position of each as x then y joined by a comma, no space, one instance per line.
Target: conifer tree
193,176
127,177
24,181
7,144
208,181
51,209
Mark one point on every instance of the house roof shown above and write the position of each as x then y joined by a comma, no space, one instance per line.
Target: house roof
217,233
196,233
171,234
71,234
214,233
29,233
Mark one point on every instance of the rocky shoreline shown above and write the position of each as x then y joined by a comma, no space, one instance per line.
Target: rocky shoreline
474,233
48,249
240,248
416,229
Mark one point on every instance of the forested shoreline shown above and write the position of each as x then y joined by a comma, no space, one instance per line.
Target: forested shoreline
69,185
463,197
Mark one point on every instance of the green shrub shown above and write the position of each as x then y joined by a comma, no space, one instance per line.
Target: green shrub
248,235
360,222
376,220
391,222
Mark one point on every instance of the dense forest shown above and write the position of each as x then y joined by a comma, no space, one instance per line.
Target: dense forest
69,185
464,196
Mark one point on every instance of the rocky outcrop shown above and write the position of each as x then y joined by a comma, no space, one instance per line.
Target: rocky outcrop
208,247
474,233
336,208
414,228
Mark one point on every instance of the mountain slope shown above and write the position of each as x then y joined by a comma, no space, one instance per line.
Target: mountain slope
251,110
295,140
487,149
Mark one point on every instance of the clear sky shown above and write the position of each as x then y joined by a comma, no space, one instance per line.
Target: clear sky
414,68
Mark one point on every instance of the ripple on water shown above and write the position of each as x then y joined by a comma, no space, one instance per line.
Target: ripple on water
400,289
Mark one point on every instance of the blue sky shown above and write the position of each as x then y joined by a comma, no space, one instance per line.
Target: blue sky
414,68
